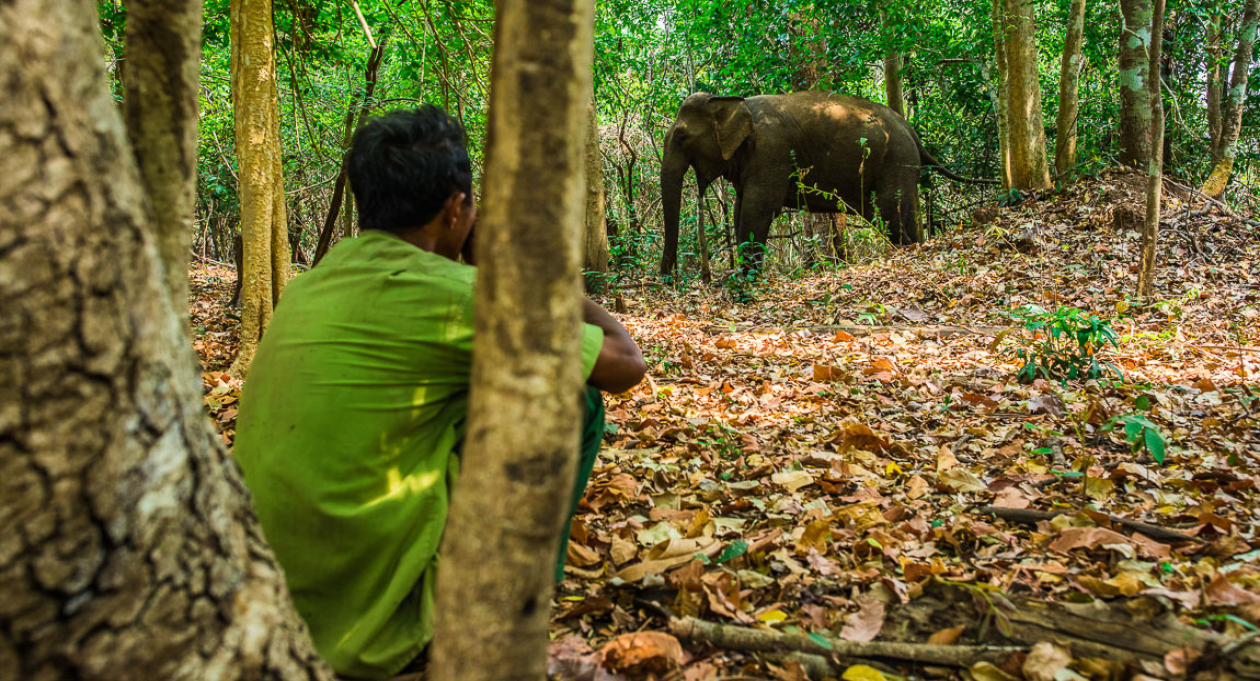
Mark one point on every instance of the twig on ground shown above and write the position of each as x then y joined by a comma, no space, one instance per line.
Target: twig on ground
1030,517
759,640
860,330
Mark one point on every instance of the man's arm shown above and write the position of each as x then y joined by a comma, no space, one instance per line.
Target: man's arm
620,365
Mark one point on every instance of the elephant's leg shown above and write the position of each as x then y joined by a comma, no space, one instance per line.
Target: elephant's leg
898,202
757,211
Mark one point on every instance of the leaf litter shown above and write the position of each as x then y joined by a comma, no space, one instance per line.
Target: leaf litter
780,471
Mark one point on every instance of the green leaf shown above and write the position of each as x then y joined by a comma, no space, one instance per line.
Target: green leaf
733,550
1155,444
820,640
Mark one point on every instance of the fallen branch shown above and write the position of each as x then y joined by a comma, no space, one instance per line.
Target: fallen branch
858,330
1031,517
733,637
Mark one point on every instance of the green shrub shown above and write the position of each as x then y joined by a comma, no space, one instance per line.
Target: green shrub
1063,344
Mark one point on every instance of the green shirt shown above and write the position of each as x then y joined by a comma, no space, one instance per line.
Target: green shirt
349,423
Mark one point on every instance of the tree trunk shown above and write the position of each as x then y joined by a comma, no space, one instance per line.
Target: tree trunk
163,48
1069,84
255,108
892,71
356,113
1155,167
520,452
129,546
1135,95
1217,72
702,239
595,251
1029,167
1003,90
1232,102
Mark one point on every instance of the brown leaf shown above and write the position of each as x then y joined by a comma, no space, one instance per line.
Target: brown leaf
858,436
1224,592
866,623
1095,537
669,553
581,556
643,652
946,637
1045,660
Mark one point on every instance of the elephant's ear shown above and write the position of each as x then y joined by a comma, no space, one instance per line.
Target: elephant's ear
732,122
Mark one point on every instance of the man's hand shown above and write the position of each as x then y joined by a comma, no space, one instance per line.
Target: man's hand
620,365
467,250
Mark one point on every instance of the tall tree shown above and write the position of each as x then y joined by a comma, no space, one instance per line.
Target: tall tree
1003,90
1231,103
1069,85
1030,168
1135,76
524,412
129,546
595,238
1155,166
892,70
256,112
163,48
1217,71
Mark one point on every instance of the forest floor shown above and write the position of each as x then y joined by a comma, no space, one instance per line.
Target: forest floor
850,455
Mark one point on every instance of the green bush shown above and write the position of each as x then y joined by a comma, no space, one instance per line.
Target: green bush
1063,344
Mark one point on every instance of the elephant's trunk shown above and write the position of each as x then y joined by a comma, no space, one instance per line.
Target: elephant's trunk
673,168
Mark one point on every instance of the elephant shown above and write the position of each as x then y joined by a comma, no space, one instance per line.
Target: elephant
852,149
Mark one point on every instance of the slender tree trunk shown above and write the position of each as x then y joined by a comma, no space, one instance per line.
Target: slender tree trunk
129,547
1135,70
702,239
1000,32
1155,167
163,48
595,251
1217,71
355,118
1029,167
892,73
1232,101
255,108
520,452
1069,84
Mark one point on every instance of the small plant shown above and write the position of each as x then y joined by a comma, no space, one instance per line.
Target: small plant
1140,434
1064,344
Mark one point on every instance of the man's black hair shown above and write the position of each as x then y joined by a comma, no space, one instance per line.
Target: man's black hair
404,165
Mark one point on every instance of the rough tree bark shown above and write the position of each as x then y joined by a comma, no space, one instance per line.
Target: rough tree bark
1069,84
595,239
256,113
524,411
1232,99
1155,166
129,547
1030,168
1135,95
163,48
1003,90
1216,72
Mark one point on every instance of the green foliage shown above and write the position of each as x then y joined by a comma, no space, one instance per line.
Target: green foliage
1063,344
1140,433
649,54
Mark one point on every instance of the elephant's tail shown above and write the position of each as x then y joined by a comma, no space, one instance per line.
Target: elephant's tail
929,161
